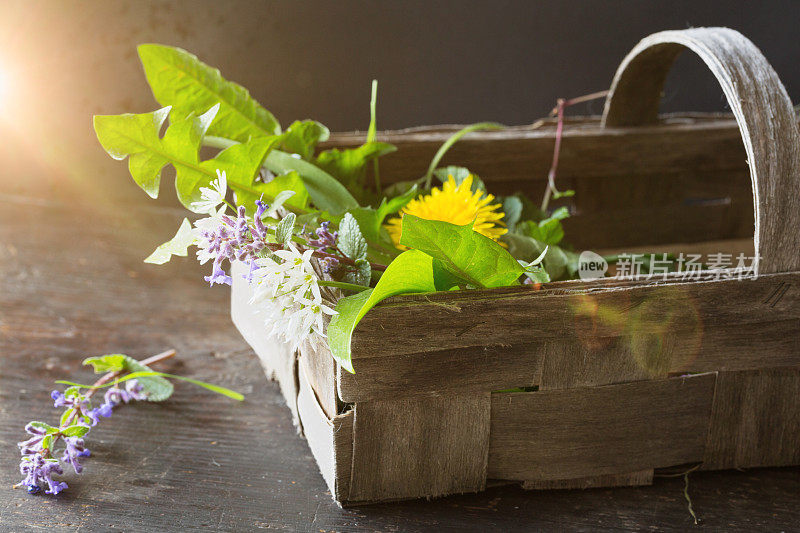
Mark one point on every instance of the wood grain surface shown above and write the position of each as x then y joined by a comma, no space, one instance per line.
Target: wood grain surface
72,284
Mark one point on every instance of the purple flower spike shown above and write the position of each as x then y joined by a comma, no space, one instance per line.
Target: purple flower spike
38,470
59,400
218,275
115,396
75,449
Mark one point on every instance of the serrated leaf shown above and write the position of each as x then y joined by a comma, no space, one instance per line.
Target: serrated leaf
285,229
302,137
351,242
76,430
411,272
155,387
473,257
326,193
179,79
137,136
362,273
106,363
178,245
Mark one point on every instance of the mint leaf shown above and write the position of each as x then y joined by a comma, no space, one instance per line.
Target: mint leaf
178,79
351,241
512,207
44,426
66,416
302,137
285,229
411,272
75,430
107,363
361,275
155,387
326,193
473,257
178,245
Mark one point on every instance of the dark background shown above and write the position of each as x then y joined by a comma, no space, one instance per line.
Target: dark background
437,62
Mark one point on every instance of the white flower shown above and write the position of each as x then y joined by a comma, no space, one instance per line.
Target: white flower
286,292
205,227
211,198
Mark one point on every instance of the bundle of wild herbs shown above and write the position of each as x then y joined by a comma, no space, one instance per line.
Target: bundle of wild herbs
309,223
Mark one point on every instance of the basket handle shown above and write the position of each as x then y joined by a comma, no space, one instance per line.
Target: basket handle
762,109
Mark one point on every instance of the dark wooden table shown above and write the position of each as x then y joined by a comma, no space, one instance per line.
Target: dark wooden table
72,284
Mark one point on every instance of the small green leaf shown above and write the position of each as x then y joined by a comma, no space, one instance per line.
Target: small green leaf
285,229
178,245
559,263
473,257
66,417
44,426
75,430
411,272
180,80
302,137
563,194
326,193
156,388
351,241
512,207
73,391
47,443
362,273
106,363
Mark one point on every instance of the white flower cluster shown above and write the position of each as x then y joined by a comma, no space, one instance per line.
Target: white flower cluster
286,293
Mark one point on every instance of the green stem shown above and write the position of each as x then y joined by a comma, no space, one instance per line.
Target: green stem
371,133
342,285
451,141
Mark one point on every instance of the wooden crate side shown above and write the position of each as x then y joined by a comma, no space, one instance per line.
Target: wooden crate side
673,316
320,370
480,369
420,447
755,420
330,440
633,479
599,431
278,361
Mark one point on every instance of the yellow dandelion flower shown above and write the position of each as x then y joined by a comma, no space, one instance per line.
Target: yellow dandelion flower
456,204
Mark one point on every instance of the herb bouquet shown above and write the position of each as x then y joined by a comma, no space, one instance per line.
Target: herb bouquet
322,239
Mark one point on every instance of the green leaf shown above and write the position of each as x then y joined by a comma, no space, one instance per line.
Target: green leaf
302,137
469,255
72,391
66,416
351,241
459,174
139,376
559,263
178,79
454,139
154,386
137,137
178,245
362,273
349,166
512,207
285,229
44,426
326,193
289,187
47,443
106,363
75,430
549,230
411,272
392,206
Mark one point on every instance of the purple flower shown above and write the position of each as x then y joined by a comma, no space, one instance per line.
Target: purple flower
115,396
105,410
38,470
34,444
325,239
59,400
218,275
75,449
82,406
259,229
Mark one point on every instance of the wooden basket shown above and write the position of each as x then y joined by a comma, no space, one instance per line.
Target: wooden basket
626,376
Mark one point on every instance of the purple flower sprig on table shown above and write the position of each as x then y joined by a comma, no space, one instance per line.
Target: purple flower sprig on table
41,459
